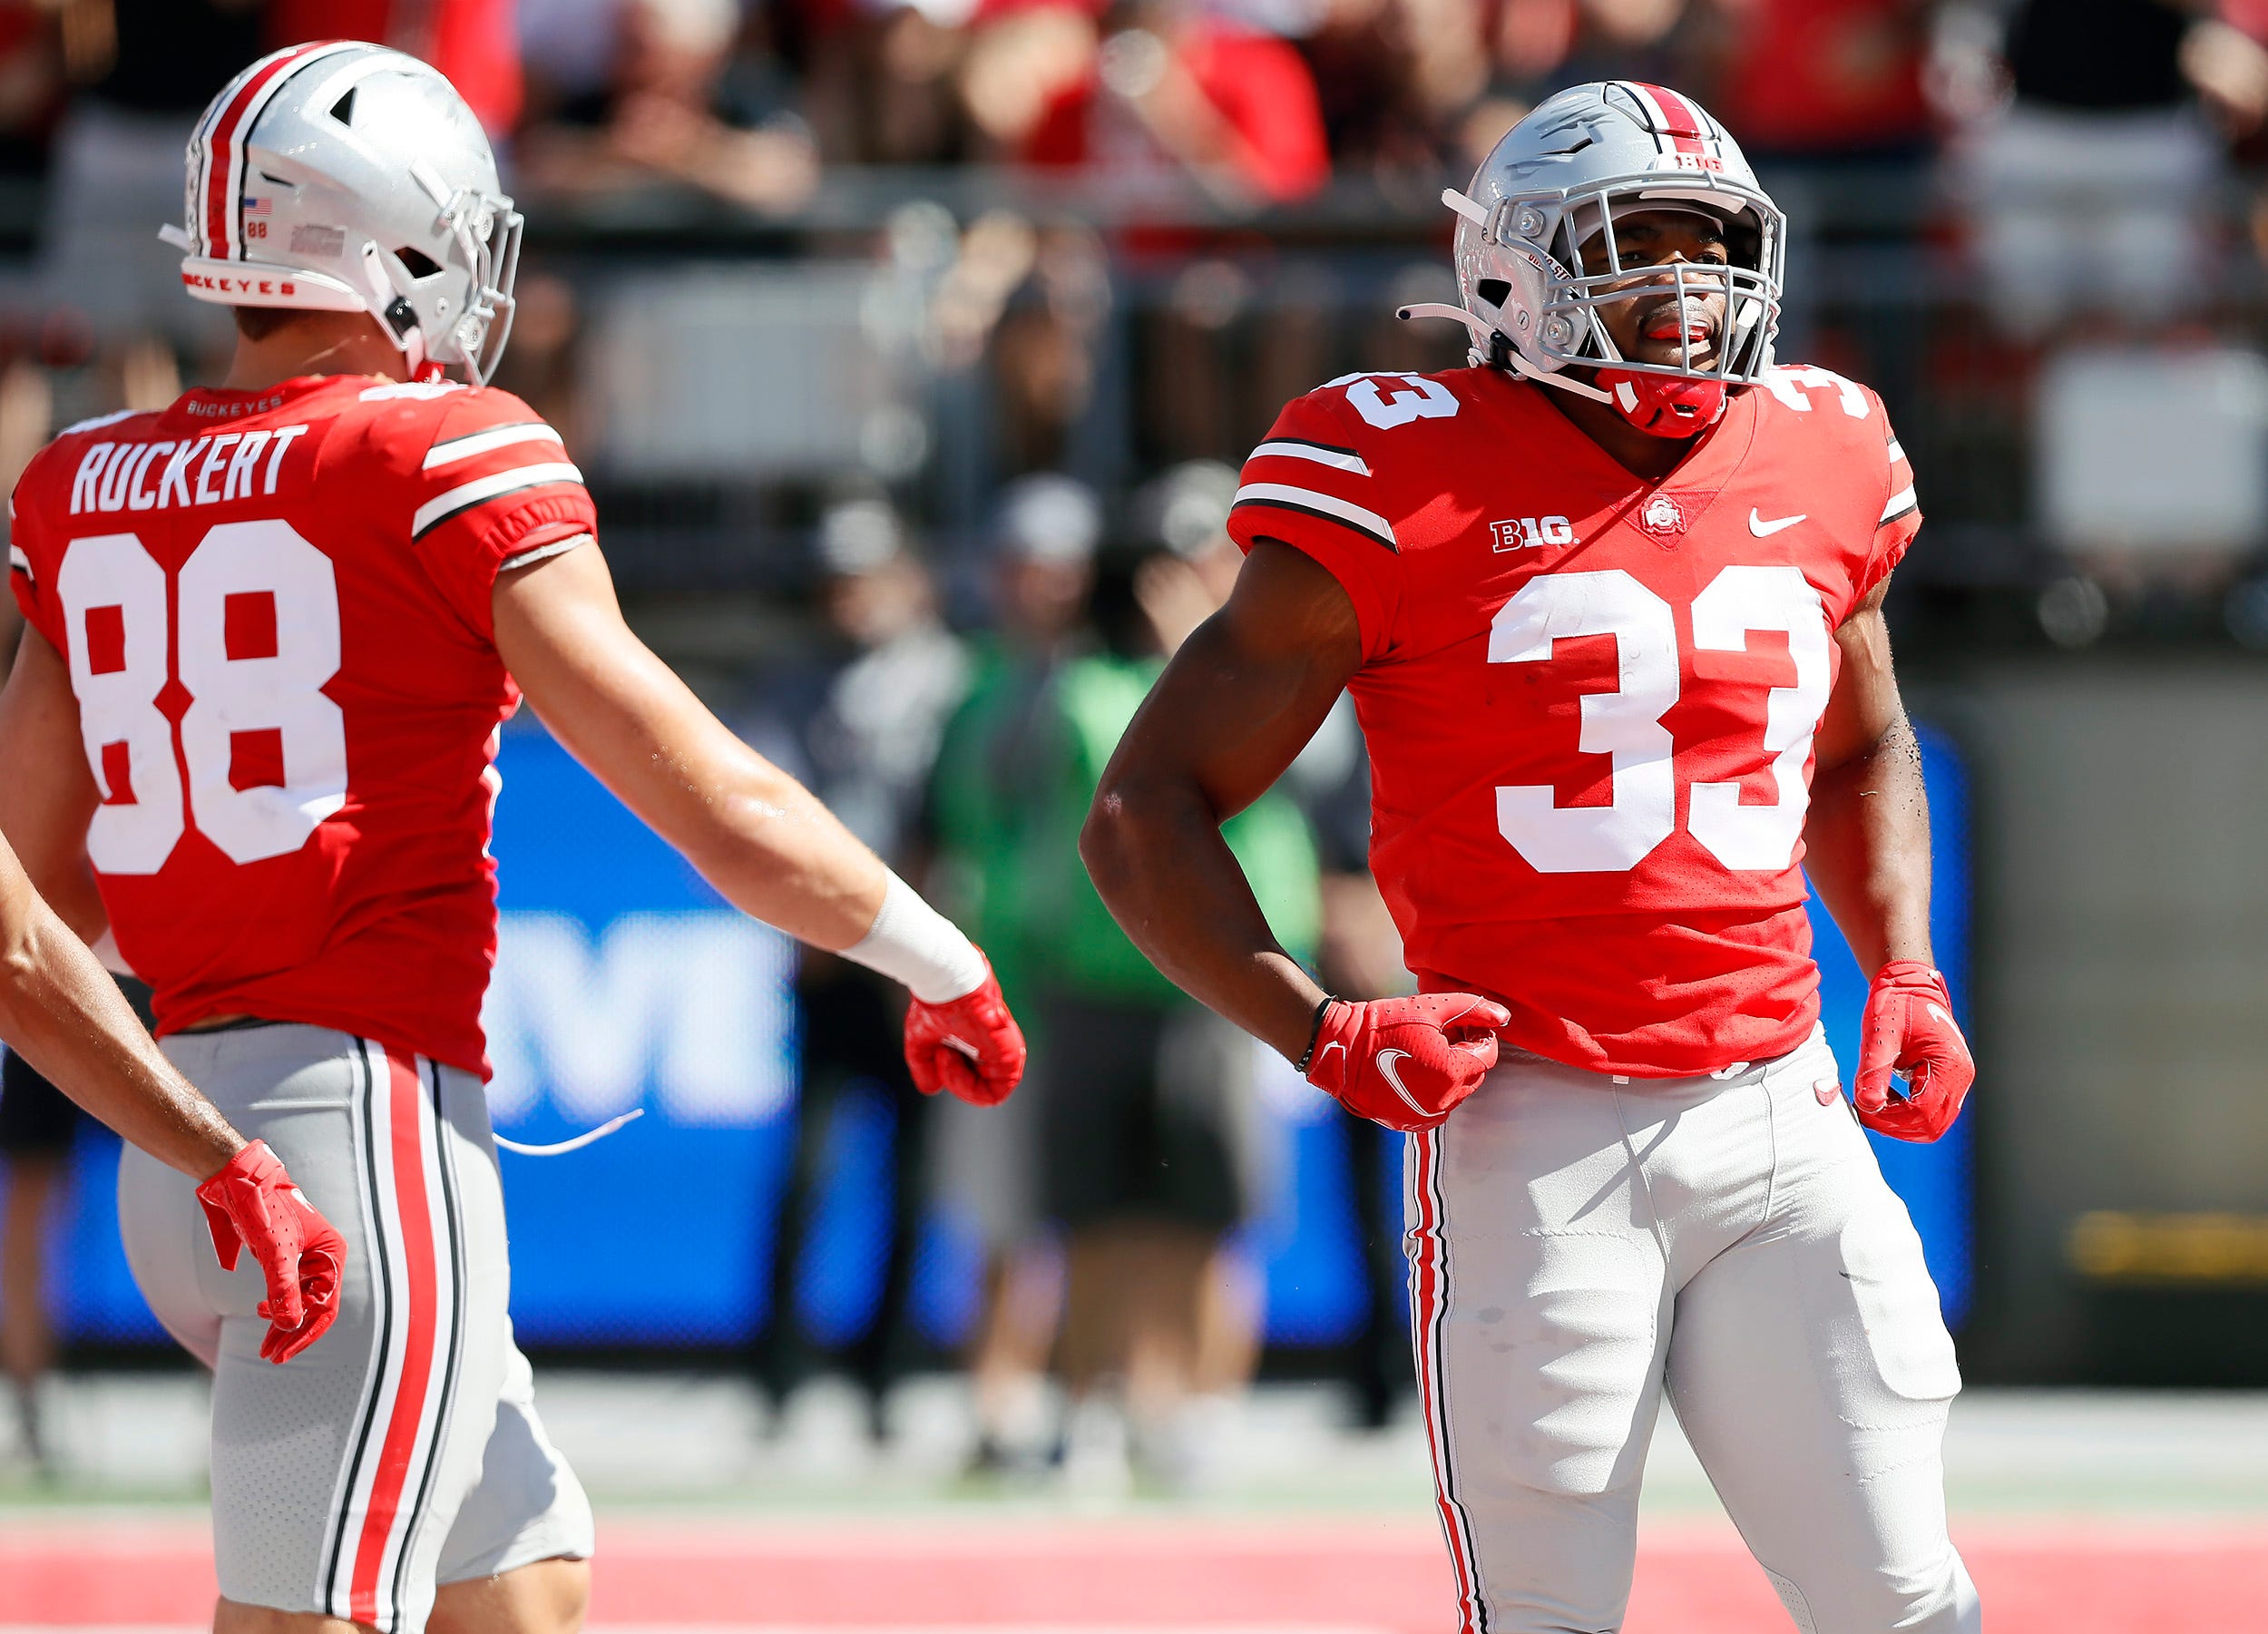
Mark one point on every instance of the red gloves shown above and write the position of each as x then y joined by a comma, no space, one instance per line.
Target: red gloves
1909,1028
970,1045
253,1204
1404,1062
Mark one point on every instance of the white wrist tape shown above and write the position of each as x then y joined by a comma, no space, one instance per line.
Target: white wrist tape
913,943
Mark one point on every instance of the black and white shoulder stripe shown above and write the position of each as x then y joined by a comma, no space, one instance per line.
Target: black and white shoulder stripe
1902,501
1329,507
512,457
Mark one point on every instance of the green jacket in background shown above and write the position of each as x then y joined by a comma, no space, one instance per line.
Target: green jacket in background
1080,948
1019,767
992,763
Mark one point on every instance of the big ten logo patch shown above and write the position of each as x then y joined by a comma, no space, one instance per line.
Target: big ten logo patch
1529,532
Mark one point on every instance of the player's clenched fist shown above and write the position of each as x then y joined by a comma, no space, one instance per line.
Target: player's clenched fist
253,1204
1404,1062
970,1045
1909,1028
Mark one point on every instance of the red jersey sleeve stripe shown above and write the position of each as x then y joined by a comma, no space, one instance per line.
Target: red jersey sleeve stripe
1902,502
480,490
1329,507
487,442
20,562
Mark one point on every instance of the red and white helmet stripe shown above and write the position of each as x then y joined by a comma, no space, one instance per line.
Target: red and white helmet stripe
220,148
1676,125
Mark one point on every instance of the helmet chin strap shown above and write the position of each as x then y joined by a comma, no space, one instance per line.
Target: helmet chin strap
1662,407
1484,334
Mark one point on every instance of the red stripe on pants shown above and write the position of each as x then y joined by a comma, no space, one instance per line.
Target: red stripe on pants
1426,1307
416,1284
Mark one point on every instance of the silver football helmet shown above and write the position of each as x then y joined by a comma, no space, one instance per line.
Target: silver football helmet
350,178
1536,260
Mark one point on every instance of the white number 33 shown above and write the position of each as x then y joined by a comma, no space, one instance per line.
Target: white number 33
1626,723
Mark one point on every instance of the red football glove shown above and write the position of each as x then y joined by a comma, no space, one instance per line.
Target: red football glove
970,1045
253,1204
1909,1028
1405,1062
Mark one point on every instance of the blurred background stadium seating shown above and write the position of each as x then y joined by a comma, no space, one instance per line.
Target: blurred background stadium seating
810,285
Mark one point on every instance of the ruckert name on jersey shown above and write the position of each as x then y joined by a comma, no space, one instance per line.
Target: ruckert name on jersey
276,610
1590,726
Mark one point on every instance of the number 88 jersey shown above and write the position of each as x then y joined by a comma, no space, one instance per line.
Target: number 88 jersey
276,611
1589,699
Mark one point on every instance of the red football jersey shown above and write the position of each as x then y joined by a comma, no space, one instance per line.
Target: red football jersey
1589,699
276,609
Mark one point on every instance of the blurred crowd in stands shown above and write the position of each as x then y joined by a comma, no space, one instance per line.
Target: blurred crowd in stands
1252,101
2080,157
1217,167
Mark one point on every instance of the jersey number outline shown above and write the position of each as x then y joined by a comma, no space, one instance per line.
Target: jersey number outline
1626,723
275,700
1793,384
1414,398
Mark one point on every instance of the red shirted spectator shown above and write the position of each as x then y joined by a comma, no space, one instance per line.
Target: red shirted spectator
1825,76
472,41
1178,90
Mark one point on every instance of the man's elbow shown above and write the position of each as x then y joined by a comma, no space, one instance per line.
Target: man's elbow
23,970
1106,839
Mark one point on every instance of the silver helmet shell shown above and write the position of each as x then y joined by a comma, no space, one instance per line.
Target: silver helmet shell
350,178
1535,262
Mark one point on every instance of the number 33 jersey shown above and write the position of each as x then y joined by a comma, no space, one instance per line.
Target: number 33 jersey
276,611
1589,699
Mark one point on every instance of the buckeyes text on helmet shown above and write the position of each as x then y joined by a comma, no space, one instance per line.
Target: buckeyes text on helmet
1537,261
345,177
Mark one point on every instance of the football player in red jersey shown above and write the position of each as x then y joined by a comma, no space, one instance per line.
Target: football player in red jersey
1609,601
273,632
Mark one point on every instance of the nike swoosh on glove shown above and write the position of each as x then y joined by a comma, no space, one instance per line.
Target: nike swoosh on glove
1405,1062
970,1045
1909,1028
253,1204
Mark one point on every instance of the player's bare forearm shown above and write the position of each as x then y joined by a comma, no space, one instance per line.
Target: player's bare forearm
1155,850
1867,839
1233,708
48,796
761,838
59,1010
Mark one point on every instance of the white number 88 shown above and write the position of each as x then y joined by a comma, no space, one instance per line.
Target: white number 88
113,581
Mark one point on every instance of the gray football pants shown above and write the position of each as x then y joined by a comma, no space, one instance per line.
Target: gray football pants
1579,1244
402,1450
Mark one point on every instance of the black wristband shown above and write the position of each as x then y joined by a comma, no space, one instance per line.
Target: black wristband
1315,1032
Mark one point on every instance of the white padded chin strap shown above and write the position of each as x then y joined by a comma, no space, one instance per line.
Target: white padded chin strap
1581,389
1484,333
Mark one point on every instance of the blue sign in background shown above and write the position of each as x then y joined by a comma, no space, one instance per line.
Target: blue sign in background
623,981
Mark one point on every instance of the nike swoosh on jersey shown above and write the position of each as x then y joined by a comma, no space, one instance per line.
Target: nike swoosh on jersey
1765,530
1388,1063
